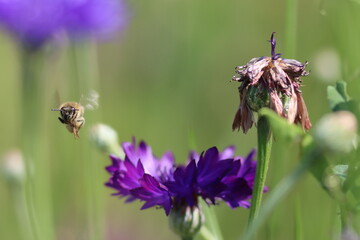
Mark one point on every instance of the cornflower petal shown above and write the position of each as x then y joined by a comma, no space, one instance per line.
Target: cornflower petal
248,166
116,164
132,174
227,153
152,193
183,187
159,168
237,191
210,168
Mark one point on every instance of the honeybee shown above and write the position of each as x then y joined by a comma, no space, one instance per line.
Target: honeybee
72,115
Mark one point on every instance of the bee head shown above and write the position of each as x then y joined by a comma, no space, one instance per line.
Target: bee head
69,110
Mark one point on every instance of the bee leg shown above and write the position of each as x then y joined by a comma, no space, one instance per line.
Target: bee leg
76,133
81,124
61,120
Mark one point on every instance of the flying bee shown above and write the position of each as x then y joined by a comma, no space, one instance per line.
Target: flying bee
72,115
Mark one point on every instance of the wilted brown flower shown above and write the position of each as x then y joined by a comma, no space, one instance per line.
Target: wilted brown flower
272,82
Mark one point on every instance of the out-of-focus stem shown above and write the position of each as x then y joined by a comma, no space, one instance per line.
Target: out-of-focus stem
344,218
298,220
290,28
279,193
85,78
37,185
22,212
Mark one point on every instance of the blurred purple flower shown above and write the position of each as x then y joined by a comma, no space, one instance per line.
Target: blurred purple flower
32,21
35,22
97,18
212,175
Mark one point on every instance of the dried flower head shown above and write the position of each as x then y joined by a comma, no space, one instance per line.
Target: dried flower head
272,82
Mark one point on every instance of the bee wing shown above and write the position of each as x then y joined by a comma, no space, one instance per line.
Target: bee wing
91,100
56,100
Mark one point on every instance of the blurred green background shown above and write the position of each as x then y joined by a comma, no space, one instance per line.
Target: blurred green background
166,80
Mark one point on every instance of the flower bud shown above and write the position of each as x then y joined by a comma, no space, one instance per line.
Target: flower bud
257,97
186,221
337,132
12,166
106,139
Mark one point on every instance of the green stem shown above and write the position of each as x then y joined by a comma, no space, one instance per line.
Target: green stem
206,234
264,150
211,221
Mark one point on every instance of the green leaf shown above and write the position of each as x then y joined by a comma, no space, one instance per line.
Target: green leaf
338,97
341,88
280,126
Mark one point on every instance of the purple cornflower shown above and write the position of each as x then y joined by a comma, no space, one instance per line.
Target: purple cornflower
212,175
35,22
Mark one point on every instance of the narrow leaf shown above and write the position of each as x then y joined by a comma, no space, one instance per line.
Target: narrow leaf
281,128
